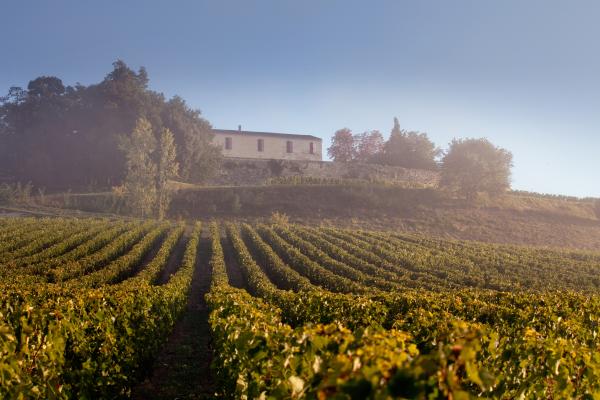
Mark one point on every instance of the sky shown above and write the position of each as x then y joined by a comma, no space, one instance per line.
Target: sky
524,74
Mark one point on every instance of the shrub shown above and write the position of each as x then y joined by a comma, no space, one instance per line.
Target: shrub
278,218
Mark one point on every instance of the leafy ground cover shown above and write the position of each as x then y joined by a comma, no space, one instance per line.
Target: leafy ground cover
98,308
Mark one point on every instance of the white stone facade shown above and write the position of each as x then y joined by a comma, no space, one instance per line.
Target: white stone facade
266,145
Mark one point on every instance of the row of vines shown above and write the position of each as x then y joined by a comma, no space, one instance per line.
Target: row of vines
82,311
331,313
319,312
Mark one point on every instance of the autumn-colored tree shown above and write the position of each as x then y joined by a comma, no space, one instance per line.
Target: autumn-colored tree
342,146
476,165
369,145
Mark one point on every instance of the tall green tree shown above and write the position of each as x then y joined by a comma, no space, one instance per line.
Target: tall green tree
409,149
140,181
475,165
167,169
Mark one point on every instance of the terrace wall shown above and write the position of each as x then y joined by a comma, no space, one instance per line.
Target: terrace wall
255,172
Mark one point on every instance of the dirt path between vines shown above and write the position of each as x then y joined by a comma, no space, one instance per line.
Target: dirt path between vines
234,272
182,368
175,258
148,257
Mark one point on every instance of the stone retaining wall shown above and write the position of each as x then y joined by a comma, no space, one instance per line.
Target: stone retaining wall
255,172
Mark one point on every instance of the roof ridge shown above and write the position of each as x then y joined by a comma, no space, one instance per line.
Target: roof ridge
259,133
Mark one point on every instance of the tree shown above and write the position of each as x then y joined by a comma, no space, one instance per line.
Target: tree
396,130
342,146
63,137
369,146
197,156
141,174
409,149
167,168
476,165
45,86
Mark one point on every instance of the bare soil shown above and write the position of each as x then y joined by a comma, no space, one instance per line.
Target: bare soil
175,258
236,278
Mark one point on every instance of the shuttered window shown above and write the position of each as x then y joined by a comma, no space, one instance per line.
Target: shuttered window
228,143
289,146
261,144
311,148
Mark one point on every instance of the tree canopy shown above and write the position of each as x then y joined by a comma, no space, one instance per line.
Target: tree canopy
409,149
60,137
167,169
475,165
150,165
141,170
342,147
406,149
369,146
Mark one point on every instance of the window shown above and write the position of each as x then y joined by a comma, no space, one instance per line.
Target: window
289,146
311,148
228,143
261,144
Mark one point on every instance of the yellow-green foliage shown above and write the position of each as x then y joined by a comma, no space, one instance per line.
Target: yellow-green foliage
447,334
328,313
71,341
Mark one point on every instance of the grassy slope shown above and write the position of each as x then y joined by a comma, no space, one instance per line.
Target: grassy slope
515,218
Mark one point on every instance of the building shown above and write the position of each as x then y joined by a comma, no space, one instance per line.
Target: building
268,145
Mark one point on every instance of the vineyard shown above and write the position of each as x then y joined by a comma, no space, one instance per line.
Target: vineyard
295,311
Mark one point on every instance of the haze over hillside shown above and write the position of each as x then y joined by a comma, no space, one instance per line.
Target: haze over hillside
502,71
132,151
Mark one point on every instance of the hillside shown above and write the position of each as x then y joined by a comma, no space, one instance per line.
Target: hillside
515,218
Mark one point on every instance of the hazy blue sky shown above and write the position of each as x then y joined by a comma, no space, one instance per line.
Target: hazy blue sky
525,74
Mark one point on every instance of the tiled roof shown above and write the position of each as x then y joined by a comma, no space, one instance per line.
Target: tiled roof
273,134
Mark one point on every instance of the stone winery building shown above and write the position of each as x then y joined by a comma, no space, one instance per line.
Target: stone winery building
268,145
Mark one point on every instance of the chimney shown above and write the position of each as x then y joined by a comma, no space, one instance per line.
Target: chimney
239,128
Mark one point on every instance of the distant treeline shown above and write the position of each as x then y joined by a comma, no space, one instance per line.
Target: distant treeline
408,149
59,137
555,196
